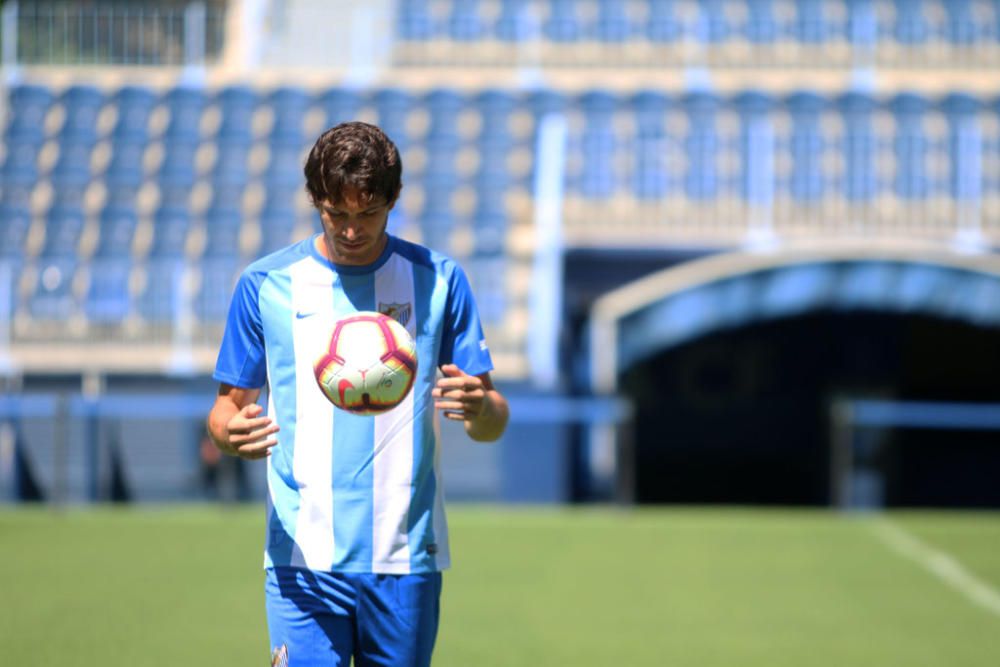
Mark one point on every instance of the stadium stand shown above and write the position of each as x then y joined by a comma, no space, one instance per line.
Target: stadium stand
842,161
129,202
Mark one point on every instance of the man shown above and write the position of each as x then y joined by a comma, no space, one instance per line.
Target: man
356,538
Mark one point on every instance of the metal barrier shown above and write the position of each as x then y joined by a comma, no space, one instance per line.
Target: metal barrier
854,483
145,447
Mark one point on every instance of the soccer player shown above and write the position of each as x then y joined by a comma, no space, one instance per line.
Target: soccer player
356,531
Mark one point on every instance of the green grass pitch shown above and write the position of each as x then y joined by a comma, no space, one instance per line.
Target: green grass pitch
530,586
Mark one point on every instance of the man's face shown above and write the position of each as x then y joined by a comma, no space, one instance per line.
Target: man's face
354,228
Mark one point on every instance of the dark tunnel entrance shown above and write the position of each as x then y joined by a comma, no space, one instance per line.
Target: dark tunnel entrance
742,416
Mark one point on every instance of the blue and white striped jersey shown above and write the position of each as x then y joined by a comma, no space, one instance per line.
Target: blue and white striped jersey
351,493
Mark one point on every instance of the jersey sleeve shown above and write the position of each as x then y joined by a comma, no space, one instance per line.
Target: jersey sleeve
242,361
463,342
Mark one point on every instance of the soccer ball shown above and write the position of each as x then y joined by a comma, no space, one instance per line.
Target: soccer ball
369,364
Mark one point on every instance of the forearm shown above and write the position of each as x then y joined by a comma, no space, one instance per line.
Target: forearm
489,424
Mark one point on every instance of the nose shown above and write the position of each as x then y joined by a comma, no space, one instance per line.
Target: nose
349,232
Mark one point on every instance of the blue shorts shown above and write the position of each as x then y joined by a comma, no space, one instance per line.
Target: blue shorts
326,618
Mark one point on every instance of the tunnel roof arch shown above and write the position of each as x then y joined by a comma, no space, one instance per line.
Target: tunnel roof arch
734,289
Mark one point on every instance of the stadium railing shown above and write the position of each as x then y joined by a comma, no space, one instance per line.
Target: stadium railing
144,446
857,480
105,32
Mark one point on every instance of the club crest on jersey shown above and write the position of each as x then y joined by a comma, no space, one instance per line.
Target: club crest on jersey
279,657
397,311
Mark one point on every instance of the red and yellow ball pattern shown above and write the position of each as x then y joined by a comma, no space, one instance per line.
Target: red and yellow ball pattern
369,365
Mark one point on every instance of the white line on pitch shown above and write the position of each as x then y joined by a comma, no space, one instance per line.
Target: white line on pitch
940,564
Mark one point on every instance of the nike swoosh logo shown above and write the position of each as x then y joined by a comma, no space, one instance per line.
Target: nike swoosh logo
299,315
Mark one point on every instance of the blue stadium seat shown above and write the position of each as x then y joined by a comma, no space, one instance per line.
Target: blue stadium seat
135,105
495,140
52,297
222,234
275,230
663,25
121,198
911,26
650,178
811,25
14,224
117,231
170,233
63,227
393,107
562,23
597,177
68,197
911,146
29,106
232,166
339,105
20,165
108,299
490,199
437,220
992,28
83,105
185,106
161,300
495,107
414,21
237,105
859,148
281,200
761,25
612,22
701,145
177,168
965,147
489,231
440,177
713,26
15,196
174,200
73,165
126,165
962,27
515,22
226,199
650,108
546,101
218,279
465,23
486,272
862,24
284,167
444,107
808,146
289,106
756,147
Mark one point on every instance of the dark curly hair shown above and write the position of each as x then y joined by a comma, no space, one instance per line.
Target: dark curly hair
356,155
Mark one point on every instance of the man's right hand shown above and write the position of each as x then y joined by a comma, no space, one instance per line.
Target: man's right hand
250,435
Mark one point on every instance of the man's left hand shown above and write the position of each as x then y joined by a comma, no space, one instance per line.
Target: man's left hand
459,396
